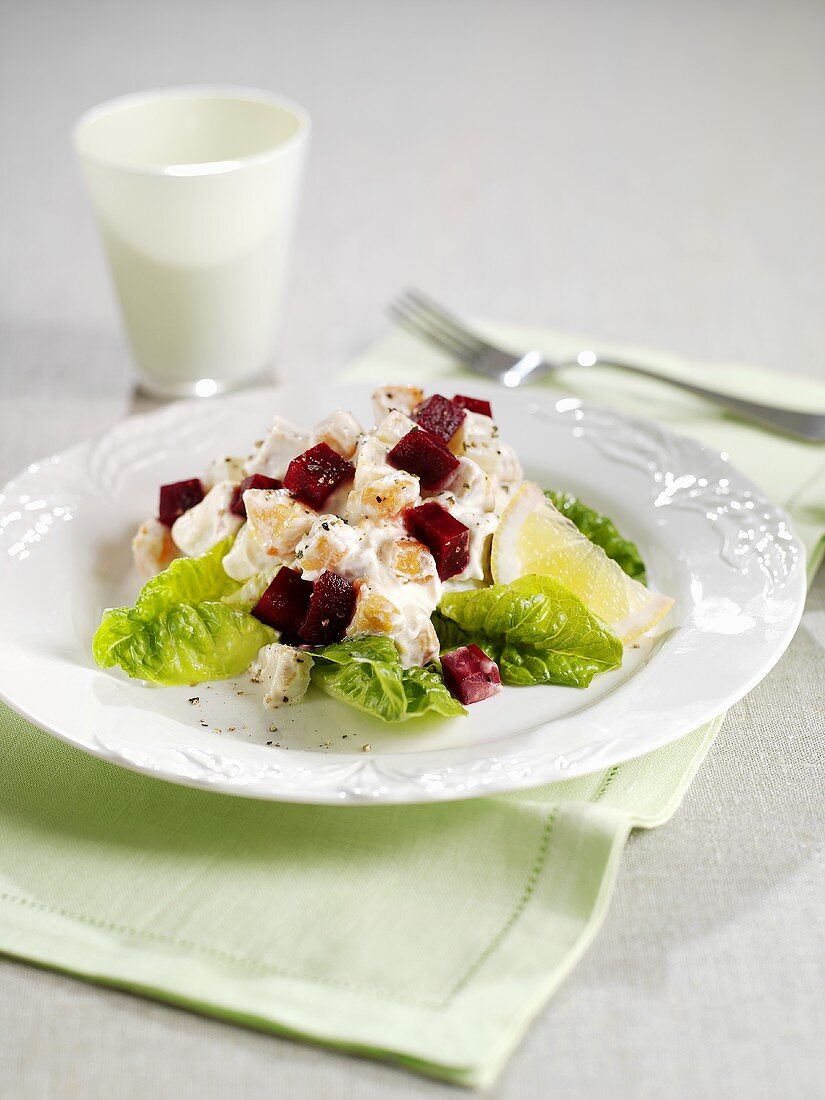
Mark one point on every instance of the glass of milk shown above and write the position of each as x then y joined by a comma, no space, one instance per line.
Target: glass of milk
195,193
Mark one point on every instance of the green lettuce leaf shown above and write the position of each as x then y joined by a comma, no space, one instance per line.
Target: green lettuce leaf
247,595
188,580
534,629
602,531
180,631
366,673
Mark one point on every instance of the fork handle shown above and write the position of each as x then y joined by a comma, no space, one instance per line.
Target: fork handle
804,425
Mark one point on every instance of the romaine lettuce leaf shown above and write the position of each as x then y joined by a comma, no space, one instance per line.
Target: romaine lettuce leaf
602,531
179,631
534,629
366,673
188,580
180,645
250,591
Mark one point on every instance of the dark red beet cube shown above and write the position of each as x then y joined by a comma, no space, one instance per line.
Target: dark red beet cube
256,481
447,538
440,416
331,608
473,404
470,675
177,498
312,476
426,456
285,603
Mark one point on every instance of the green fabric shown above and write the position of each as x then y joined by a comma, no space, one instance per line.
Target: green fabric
428,935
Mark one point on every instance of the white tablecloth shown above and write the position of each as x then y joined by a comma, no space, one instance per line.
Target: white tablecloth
650,171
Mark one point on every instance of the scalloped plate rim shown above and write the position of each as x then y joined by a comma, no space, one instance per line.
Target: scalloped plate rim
410,789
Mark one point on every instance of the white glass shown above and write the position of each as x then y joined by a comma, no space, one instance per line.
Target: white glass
195,193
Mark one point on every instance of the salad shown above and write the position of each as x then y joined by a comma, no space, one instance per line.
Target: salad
405,570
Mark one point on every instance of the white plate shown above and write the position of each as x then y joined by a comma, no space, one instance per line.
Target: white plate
707,535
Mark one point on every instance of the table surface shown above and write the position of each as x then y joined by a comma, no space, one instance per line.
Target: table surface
648,172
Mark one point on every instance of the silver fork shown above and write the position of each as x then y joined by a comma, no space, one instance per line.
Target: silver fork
425,318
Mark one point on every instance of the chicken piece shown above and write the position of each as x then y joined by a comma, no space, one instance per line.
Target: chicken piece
246,557
152,548
381,492
370,461
276,521
410,561
508,468
332,544
199,529
374,614
505,490
385,498
230,468
393,428
471,486
340,430
402,398
273,454
478,439
283,672
417,641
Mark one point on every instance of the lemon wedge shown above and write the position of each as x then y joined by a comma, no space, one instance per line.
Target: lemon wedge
534,537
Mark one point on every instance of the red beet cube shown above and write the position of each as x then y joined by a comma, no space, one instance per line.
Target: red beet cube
331,608
312,476
177,498
473,404
440,416
447,538
256,481
426,456
285,603
470,675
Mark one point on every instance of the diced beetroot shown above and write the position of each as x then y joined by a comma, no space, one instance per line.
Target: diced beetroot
470,675
440,416
312,476
473,404
331,608
426,456
256,481
447,538
177,498
285,603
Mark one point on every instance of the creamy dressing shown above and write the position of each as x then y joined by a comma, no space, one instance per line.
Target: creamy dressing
273,454
284,673
361,535
198,530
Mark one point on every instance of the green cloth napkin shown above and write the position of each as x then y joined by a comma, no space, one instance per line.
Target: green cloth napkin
427,935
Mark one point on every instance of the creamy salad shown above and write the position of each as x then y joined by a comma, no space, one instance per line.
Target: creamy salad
369,561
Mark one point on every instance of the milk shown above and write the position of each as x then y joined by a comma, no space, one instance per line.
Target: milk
197,248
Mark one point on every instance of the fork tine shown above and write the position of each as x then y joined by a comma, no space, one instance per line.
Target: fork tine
447,320
428,320
431,319
418,328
